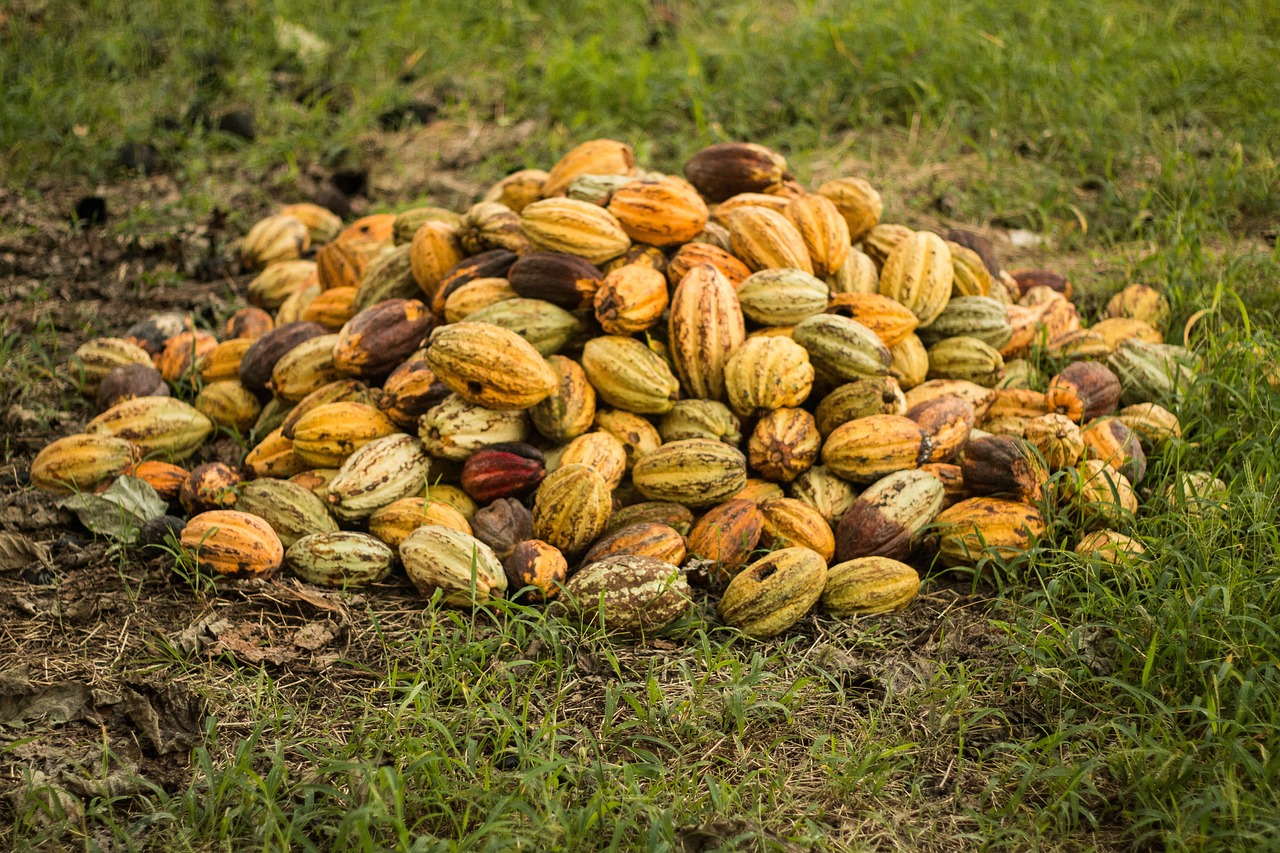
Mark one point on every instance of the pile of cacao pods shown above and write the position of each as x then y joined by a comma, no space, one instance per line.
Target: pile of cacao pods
600,384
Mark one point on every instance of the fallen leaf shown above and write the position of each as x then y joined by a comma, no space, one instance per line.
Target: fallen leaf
120,511
19,552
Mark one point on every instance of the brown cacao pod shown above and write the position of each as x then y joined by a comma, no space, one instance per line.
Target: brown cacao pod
728,168
887,519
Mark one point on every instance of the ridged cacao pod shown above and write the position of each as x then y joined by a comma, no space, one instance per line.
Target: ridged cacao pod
475,296
678,518
977,528
864,450
259,360
159,426
1116,329
705,329
631,299
791,523
490,225
322,224
781,297
694,472
91,363
947,421
341,559
767,373
181,353
773,593
337,391
825,492
976,395
388,276
1111,441
593,157
393,523
727,535
78,463
274,457
304,369
965,358
275,238
376,474
628,594
869,585
763,239
858,274
858,202
518,189
464,569
569,411
507,470
1004,465
410,392
165,477
692,255
233,544
342,263
859,399
970,275
1102,494
1057,438
571,508
292,510
823,229
328,434
728,168
331,308
628,375
492,264
1109,546
784,444
556,277
537,568
1148,373
701,419
978,317
889,321
490,366
880,241
918,275
275,284
645,539
637,435
454,428
1153,423
433,252
575,227
659,213
842,348
601,452
887,519
1083,391
1141,302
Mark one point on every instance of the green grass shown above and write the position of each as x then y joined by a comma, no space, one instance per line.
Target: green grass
1132,708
